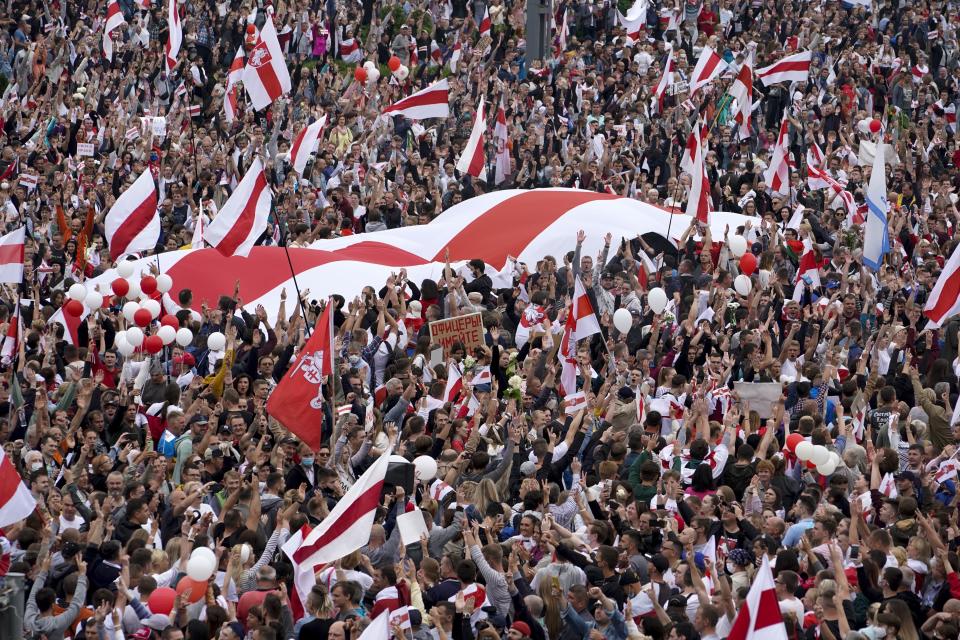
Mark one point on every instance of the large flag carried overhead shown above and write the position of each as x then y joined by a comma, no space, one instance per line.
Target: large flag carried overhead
297,402
133,224
431,102
243,217
266,77
876,235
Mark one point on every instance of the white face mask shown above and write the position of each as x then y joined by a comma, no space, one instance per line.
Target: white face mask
36,466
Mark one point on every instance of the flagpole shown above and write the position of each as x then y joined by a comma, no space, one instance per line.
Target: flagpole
293,274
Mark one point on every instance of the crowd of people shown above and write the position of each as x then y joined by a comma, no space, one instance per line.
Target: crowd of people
646,513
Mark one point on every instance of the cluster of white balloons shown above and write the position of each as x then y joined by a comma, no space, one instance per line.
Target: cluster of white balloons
825,460
91,299
202,564
373,73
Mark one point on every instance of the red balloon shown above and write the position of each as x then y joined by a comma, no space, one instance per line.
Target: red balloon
393,63
148,284
120,287
142,317
875,126
170,321
73,308
748,263
251,29
810,465
360,74
152,344
161,600
196,588
792,441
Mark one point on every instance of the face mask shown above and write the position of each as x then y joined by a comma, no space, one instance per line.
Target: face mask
307,462
354,360
36,466
731,568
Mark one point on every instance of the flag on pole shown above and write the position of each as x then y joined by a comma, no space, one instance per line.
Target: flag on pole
795,68
709,66
777,174
8,350
243,217
304,575
742,91
266,77
454,382
12,250
455,54
944,300
876,235
431,102
234,75
16,501
473,158
297,402
350,50
114,19
485,25
133,225
501,137
759,618
174,35
665,81
305,144
698,201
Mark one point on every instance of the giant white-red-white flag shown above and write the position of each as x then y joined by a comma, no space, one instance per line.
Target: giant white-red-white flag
473,160
266,77
741,90
777,174
243,217
501,137
114,19
795,68
16,501
174,35
305,143
234,75
759,618
348,526
709,66
133,225
431,102
944,300
11,256
698,201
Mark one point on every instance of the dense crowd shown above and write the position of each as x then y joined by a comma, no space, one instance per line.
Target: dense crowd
648,512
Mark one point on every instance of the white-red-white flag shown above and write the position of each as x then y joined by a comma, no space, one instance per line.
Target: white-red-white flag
71,324
795,68
741,90
16,501
266,77
698,201
944,300
709,66
305,144
777,174
485,24
759,618
8,350
473,160
11,256
174,35
665,81
435,54
133,225
455,54
304,575
573,402
808,266
582,318
888,486
347,527
633,23
454,382
501,137
234,75
350,50
243,217
114,19
431,102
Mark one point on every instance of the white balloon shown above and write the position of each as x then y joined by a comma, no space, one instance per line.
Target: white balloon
184,336
94,300
129,308
764,276
804,450
737,245
121,344
134,292
216,341
200,568
152,306
820,455
167,333
827,468
164,283
373,75
77,292
425,468
125,269
205,555
622,320
402,73
742,284
836,458
864,125
135,336
657,299
369,64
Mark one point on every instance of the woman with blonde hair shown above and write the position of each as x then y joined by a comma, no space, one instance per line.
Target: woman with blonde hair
549,592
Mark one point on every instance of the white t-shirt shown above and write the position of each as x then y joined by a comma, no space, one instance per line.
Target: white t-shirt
792,605
76,523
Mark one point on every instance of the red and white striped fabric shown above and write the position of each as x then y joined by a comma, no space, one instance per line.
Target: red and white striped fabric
174,35
305,144
348,526
11,256
665,81
133,225
8,350
777,174
501,136
473,159
946,471
532,318
482,376
563,35
759,618
814,155
440,490
243,217
436,56
431,102
633,23
16,501
485,25
455,55
234,75
808,265
454,382
944,300
71,324
888,487
574,402
581,316
686,160
304,575
795,68
350,50
918,71
114,19
709,66
266,77
698,201
741,90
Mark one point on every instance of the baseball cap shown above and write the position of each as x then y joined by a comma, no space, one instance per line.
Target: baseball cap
626,393
528,468
660,562
628,577
522,627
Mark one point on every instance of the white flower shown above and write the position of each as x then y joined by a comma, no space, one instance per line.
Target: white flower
515,382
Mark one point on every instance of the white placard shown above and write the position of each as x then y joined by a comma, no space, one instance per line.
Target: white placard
762,396
411,526
160,126
85,149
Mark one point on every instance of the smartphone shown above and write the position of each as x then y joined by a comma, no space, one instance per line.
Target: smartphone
854,551
556,583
